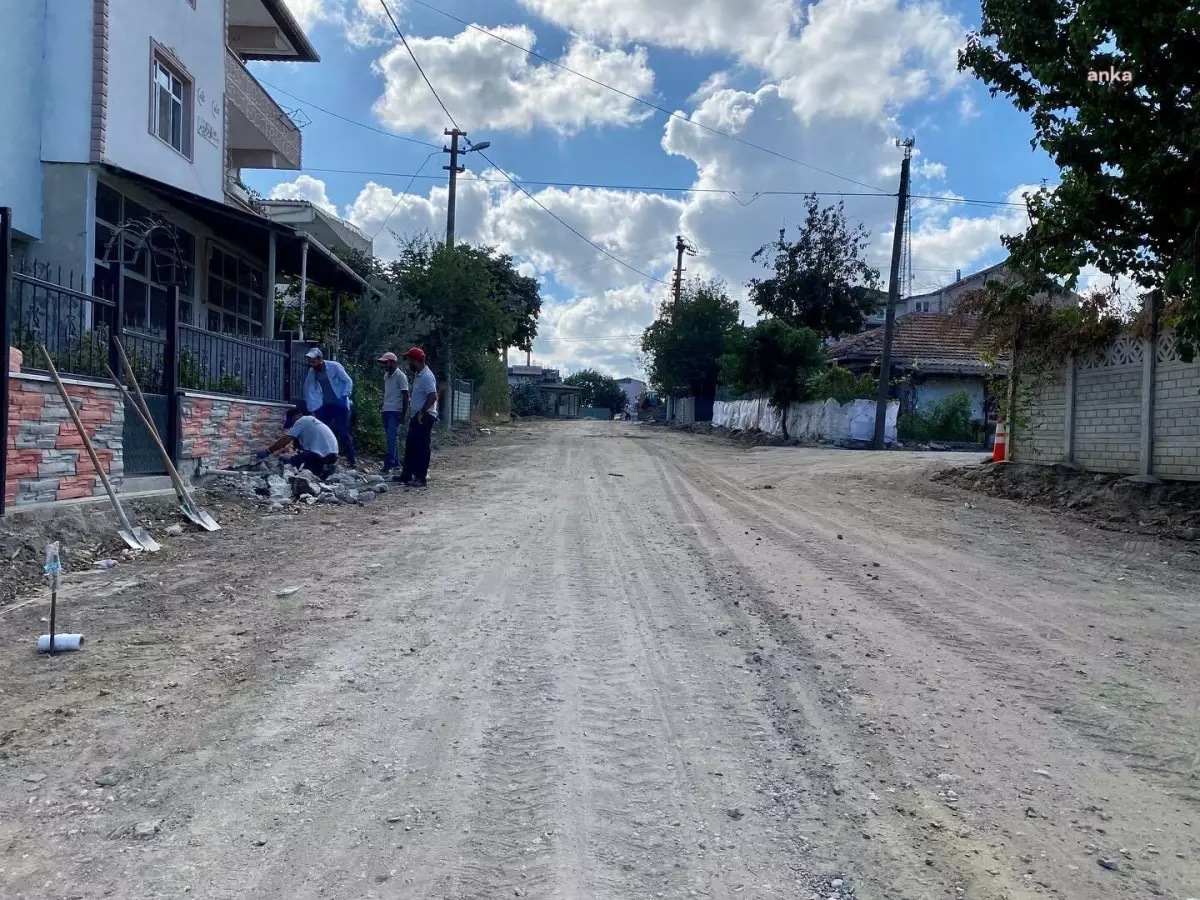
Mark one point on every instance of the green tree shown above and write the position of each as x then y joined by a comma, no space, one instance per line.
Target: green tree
821,280
776,360
683,345
1128,199
601,391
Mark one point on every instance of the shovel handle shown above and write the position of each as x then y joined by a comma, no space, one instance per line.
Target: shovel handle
87,442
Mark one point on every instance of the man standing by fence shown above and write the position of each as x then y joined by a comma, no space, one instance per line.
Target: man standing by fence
395,407
327,389
420,426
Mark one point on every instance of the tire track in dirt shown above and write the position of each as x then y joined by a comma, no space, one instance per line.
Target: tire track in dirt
991,643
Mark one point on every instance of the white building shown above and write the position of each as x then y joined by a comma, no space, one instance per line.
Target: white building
942,300
124,110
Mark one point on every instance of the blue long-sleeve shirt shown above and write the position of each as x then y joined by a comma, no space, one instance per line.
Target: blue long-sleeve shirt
339,380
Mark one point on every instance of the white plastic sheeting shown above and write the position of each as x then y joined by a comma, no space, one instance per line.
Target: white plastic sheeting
828,421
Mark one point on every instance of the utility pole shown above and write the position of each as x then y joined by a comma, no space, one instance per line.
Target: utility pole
454,168
889,322
680,248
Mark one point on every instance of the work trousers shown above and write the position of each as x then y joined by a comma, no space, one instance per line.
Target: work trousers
417,449
337,417
321,466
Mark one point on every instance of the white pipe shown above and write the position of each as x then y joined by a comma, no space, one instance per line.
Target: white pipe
62,642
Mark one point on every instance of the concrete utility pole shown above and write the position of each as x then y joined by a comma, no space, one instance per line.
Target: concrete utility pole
680,248
889,322
454,168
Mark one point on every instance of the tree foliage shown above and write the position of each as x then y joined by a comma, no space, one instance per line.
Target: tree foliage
774,359
839,383
1128,201
601,391
820,280
684,343
527,399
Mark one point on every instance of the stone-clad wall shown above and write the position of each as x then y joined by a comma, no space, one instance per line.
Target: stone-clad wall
46,458
222,432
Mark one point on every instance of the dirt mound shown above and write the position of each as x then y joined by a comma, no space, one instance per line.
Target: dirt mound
1114,502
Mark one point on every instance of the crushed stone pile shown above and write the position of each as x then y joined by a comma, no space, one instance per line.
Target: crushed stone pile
286,485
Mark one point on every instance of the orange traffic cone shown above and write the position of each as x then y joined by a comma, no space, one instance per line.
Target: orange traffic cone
1000,445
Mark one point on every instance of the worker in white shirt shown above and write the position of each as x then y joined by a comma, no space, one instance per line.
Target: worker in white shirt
318,447
395,407
420,426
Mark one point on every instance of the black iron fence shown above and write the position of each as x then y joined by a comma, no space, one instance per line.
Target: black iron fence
46,309
254,368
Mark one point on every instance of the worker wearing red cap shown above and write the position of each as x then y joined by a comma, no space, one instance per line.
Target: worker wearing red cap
395,407
424,399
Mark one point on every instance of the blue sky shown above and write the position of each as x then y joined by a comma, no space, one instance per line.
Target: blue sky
829,84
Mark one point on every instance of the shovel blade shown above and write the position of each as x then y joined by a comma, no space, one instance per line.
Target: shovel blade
197,516
128,538
145,541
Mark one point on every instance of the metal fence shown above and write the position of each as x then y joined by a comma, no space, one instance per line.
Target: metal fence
254,368
460,401
74,326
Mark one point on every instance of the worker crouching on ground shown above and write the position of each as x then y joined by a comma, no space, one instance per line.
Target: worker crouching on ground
318,448
420,426
395,408
327,389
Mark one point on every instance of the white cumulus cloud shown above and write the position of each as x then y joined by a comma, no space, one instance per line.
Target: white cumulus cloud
305,187
491,85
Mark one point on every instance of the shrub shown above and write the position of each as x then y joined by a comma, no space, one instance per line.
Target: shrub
493,389
840,384
527,399
949,420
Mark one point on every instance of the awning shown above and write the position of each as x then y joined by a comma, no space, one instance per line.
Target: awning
252,232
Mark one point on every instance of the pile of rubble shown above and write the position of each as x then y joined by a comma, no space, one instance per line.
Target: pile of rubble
286,485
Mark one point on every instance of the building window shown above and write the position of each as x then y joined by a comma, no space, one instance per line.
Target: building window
170,106
235,295
138,277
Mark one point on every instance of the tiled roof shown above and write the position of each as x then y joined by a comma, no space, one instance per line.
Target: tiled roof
930,341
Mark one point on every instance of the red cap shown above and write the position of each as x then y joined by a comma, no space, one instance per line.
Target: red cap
415,353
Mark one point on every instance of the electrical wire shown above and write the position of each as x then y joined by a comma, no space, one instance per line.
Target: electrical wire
330,112
566,225
665,189
636,99
404,193
416,63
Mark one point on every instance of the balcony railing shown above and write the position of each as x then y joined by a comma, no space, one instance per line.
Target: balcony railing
265,115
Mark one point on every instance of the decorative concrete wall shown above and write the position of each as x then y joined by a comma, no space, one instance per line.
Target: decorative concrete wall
1129,409
221,432
46,457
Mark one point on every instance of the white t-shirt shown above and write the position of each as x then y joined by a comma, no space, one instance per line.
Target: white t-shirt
424,383
314,436
394,386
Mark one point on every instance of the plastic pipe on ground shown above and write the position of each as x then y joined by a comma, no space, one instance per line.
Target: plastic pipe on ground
62,642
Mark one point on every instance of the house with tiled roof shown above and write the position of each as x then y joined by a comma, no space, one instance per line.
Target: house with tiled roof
939,353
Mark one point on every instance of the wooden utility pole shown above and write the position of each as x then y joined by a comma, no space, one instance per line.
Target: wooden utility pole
454,168
889,322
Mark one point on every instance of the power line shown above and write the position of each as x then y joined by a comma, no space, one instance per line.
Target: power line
404,193
432,89
330,112
636,99
569,227
667,189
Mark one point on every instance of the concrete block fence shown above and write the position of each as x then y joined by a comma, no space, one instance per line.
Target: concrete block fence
46,457
1132,408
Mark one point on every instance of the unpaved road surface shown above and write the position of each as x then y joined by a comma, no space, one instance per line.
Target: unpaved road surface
599,660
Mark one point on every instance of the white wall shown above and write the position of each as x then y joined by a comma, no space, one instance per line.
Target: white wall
22,39
197,39
67,96
936,389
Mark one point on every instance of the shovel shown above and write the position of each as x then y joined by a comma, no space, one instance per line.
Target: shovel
187,505
137,537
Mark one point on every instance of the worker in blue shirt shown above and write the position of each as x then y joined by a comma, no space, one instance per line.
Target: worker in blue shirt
327,389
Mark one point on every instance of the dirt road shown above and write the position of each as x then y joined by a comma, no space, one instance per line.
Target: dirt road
599,661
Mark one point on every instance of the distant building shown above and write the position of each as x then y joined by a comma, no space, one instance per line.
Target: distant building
941,300
633,389
564,396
